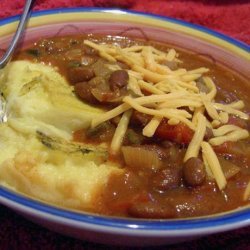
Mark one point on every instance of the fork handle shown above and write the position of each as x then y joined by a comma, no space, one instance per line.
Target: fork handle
21,26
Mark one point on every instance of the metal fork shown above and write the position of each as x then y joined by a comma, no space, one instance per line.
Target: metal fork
9,52
21,26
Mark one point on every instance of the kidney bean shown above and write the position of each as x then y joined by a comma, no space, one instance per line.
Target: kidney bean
83,91
140,119
208,134
118,79
80,74
167,178
89,51
194,172
152,210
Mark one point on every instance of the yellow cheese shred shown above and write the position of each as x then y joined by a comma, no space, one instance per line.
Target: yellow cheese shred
196,113
168,113
171,55
225,129
151,127
235,135
110,114
194,145
147,54
134,86
101,50
231,110
177,103
209,107
214,164
120,132
198,71
236,105
211,86
207,168
150,88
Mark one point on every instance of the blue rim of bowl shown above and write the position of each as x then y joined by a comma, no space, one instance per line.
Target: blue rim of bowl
223,220
126,223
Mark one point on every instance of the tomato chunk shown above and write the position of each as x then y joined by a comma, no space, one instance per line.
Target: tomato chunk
179,133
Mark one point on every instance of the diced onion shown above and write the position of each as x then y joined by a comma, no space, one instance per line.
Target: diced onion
141,157
229,169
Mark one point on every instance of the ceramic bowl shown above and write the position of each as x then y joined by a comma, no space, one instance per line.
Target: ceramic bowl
223,49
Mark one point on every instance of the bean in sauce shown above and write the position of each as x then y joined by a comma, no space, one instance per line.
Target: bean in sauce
194,173
152,210
118,79
167,178
83,91
80,74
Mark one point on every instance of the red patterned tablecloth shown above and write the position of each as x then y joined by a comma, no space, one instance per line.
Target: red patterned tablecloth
229,17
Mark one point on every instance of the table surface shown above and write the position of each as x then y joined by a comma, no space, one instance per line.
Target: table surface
19,233
229,17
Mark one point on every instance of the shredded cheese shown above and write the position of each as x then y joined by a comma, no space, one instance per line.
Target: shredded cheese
150,88
194,145
196,113
231,110
190,77
209,107
223,117
167,113
214,164
236,105
148,74
101,50
134,86
223,130
235,135
177,103
149,59
150,128
211,86
110,114
158,98
160,92
198,71
207,168
120,132
173,121
171,55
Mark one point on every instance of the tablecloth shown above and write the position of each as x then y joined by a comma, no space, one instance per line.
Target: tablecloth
229,17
